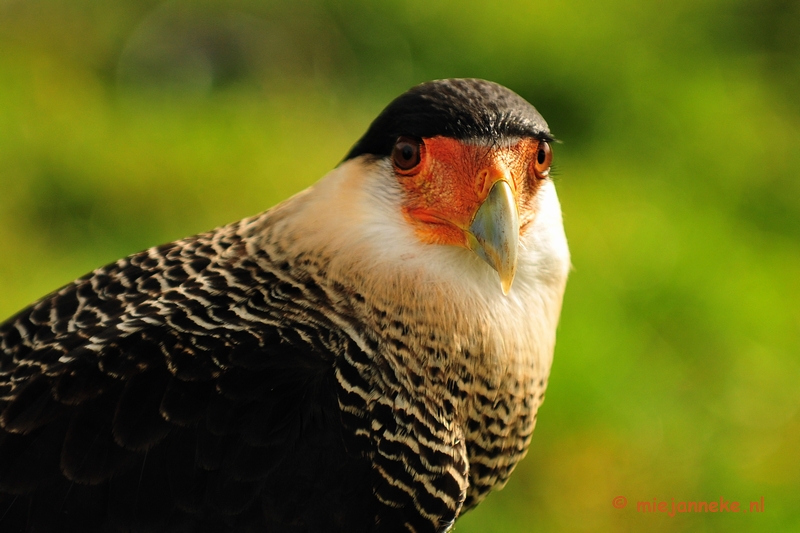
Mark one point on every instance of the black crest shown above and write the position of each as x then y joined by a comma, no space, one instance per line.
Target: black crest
457,108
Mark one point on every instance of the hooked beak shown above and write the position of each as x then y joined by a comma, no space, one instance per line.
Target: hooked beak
494,232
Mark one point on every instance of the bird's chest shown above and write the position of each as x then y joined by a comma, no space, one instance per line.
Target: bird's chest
487,401
500,415
437,391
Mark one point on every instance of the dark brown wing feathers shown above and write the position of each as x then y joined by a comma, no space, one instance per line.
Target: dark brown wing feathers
169,392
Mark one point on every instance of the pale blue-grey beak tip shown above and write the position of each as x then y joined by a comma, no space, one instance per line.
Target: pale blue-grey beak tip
494,233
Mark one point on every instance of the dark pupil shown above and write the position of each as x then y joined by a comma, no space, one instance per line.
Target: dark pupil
407,152
541,156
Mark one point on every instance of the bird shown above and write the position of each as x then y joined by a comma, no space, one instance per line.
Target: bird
368,355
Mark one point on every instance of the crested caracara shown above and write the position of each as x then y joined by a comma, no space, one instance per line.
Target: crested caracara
367,356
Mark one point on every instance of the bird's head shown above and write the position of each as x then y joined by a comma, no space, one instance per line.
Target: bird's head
449,187
469,158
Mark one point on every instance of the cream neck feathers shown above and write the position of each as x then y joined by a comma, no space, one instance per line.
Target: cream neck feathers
352,219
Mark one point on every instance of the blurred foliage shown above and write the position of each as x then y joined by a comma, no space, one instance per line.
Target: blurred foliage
130,123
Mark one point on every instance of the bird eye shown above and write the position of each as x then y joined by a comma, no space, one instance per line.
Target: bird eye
405,155
544,156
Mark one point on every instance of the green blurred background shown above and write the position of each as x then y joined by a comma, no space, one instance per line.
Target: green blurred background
126,124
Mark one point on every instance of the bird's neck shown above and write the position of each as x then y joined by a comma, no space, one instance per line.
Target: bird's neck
439,307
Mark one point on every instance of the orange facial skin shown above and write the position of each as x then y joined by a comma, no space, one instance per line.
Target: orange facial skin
453,178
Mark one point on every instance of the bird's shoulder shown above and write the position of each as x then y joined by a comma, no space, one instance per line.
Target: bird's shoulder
171,385
207,301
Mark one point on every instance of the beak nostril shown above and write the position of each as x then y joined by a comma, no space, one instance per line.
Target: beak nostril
487,177
482,183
